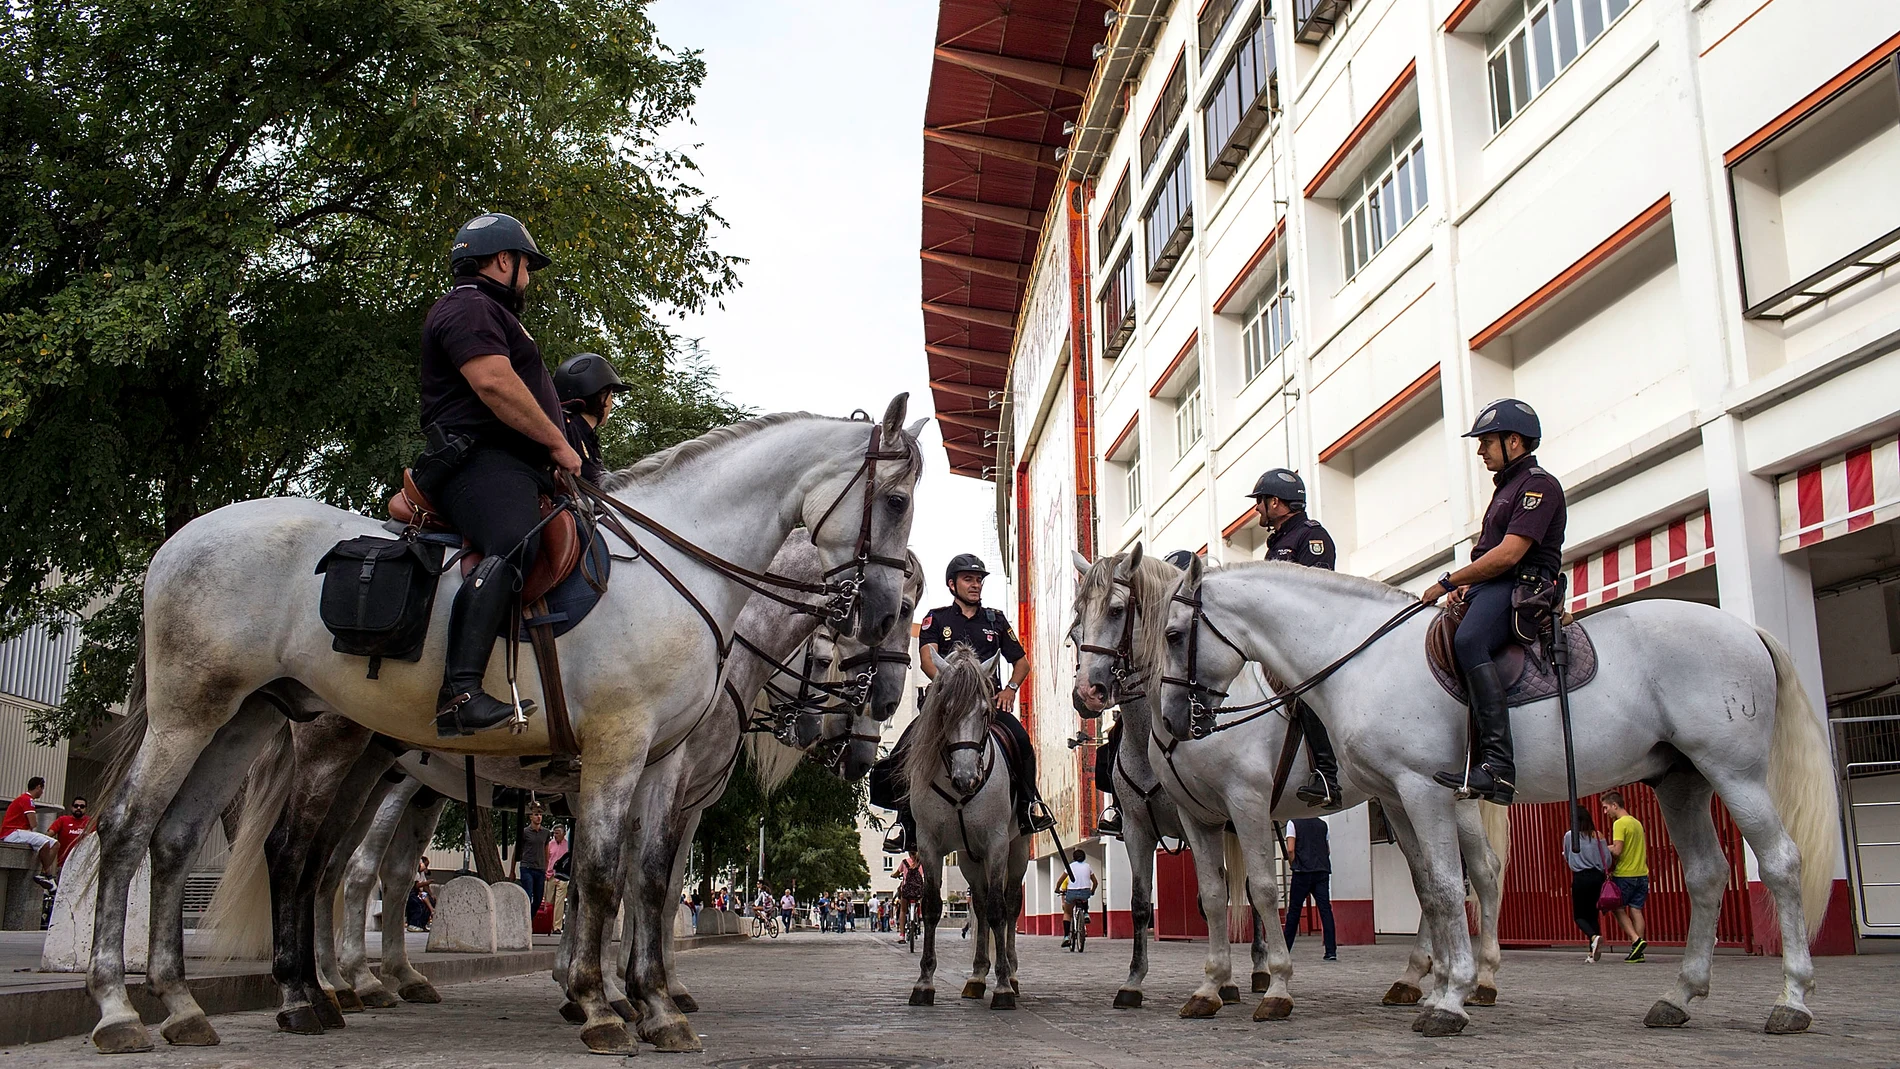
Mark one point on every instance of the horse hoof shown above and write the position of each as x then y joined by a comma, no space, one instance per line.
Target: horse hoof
1015,985
125,1037
572,1013
922,997
1485,995
1402,994
1786,1020
302,1021
192,1031
624,1007
1201,1006
420,991
1666,1014
1261,981
973,989
1229,994
1437,1023
686,1003
1003,1000
608,1038
380,1000
676,1038
328,1011
1276,1008
348,1000
1127,1000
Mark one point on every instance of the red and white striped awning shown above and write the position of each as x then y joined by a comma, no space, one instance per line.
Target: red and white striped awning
1675,549
1854,490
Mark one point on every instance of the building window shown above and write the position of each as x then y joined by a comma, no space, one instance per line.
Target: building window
1212,20
1169,220
1268,332
1112,219
1541,38
1118,307
1132,480
1235,113
1187,416
1385,198
1167,112
887,862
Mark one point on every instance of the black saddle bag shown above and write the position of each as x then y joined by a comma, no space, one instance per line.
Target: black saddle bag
377,595
1536,601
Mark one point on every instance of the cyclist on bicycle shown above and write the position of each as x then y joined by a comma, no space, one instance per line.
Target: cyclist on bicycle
910,888
1076,887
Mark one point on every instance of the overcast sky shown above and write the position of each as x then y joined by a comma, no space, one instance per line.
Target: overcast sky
808,131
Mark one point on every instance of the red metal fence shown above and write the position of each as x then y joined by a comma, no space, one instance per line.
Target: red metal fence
1537,885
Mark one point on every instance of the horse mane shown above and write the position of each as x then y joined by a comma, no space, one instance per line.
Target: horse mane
666,460
963,687
772,762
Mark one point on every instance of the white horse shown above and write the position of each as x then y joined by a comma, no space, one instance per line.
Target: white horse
232,636
1687,698
958,779
1189,788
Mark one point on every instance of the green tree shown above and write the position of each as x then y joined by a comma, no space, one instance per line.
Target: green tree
223,224
811,836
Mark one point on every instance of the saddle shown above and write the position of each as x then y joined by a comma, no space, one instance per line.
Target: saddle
1524,670
560,540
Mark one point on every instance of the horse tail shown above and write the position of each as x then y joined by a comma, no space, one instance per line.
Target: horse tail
1801,784
1497,832
240,913
121,744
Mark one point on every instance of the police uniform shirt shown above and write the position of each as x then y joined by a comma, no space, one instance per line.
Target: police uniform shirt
471,321
1301,540
585,439
987,633
1528,502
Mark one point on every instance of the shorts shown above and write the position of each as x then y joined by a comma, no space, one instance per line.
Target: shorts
33,839
1076,898
1635,890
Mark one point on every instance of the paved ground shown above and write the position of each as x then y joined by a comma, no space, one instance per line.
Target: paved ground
808,1000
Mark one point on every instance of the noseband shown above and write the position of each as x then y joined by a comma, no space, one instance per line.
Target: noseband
844,592
1129,683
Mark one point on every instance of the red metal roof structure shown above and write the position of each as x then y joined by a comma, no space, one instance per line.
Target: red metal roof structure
1007,75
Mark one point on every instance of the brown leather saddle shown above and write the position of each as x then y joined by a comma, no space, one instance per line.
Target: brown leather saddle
1525,671
560,540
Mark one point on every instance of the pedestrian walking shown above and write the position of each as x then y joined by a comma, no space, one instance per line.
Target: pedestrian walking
824,912
786,904
530,865
1631,872
557,874
1589,861
1307,844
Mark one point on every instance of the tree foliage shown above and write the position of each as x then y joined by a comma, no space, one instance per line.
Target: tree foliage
224,221
811,837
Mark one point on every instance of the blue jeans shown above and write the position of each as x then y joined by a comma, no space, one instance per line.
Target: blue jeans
1319,887
534,880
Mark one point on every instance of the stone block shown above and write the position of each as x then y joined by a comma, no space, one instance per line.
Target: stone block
513,917
464,917
68,946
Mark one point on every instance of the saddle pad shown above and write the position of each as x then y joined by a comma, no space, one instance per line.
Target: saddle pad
1526,675
574,597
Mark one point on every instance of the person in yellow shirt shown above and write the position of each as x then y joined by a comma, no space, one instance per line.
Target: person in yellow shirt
1630,871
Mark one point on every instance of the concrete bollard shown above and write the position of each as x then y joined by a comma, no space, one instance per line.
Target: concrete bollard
68,946
464,918
514,928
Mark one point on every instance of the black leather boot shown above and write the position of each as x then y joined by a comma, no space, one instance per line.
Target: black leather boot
899,838
1110,822
482,608
1495,776
1323,789
1032,816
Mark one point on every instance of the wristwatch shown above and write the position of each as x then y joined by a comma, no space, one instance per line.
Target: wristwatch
1445,583
1012,686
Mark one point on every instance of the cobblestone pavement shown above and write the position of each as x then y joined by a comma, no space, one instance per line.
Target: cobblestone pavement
796,1000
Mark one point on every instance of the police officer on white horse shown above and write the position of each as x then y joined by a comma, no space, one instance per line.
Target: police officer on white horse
1297,538
1521,542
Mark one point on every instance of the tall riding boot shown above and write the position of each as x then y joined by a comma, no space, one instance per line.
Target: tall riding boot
1494,777
900,837
482,608
1110,822
1323,789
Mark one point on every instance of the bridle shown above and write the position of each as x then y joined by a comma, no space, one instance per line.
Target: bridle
985,744
1122,654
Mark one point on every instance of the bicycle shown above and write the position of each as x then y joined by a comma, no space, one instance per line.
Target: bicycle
913,920
1078,925
764,924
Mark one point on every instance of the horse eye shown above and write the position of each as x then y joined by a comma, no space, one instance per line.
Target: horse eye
1174,635
897,502
1114,611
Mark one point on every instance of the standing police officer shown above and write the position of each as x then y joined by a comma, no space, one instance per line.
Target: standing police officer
494,428
587,384
1280,496
1521,541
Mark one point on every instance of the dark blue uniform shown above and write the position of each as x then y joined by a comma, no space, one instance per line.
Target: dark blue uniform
1301,540
1528,502
988,633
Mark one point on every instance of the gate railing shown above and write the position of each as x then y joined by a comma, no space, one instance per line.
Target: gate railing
1867,756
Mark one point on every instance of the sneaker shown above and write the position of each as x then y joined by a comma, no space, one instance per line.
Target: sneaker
1596,950
45,881
1330,957
1636,952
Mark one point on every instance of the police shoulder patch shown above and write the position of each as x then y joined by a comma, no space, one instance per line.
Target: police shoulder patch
1532,499
1316,545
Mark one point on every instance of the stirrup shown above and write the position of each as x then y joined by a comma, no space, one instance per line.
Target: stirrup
1110,823
1040,819
1325,797
449,722
894,842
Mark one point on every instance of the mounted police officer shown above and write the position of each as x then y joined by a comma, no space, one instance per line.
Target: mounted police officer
986,631
587,383
1520,543
1280,497
494,428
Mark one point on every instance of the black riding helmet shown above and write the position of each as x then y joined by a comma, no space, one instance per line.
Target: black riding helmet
485,235
1283,483
586,374
1507,415
963,562
1181,558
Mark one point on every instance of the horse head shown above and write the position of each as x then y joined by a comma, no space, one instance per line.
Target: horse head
1116,600
1192,663
859,515
881,671
954,725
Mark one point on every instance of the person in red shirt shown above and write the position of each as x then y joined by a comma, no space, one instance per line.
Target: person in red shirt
69,826
17,828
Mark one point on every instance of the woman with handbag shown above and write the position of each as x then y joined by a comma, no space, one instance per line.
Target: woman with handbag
1589,863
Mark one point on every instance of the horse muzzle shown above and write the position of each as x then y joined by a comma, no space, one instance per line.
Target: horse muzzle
1090,699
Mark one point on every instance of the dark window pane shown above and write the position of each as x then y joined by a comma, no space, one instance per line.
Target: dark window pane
1545,65
1520,74
1418,172
1389,214
1500,90
1592,19
1345,246
1406,203
1566,31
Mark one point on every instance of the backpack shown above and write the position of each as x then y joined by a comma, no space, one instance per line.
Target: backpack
377,596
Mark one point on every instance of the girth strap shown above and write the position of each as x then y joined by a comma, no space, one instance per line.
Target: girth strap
547,658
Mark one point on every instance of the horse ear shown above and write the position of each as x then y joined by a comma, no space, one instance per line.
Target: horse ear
894,415
1081,563
1131,562
916,428
1195,569
937,658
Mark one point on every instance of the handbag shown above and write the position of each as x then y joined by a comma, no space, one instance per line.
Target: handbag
1610,899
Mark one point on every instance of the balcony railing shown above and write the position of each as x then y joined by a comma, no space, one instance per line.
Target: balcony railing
1169,222
1118,307
1874,258
1242,102
1314,19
